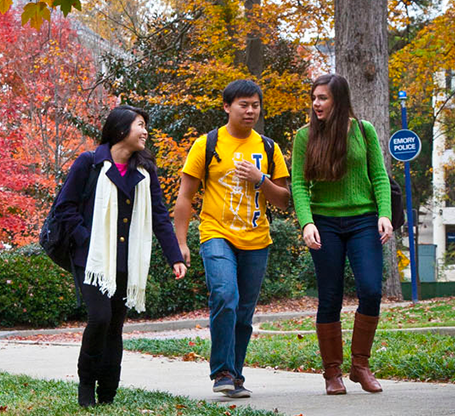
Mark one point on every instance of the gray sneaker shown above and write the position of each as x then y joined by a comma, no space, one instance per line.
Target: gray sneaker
224,382
240,392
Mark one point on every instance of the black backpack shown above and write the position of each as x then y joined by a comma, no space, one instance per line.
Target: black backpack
269,146
396,195
53,238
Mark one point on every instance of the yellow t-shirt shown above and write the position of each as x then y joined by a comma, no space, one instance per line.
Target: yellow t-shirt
232,209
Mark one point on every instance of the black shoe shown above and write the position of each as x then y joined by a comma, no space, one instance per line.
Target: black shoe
108,381
86,394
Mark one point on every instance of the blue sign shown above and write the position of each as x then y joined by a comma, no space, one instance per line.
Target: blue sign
404,145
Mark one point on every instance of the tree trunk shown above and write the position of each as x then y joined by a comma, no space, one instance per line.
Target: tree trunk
254,56
361,50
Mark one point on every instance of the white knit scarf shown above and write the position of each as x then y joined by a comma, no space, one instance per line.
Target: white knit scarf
101,268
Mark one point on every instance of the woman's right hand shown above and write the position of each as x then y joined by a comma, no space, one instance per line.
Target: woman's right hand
311,236
179,270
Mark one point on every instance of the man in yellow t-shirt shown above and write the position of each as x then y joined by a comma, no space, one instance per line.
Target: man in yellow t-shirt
234,229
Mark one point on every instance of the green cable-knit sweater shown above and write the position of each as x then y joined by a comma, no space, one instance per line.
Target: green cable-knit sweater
364,188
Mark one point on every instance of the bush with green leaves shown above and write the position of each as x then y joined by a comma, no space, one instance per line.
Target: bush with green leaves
283,276
34,291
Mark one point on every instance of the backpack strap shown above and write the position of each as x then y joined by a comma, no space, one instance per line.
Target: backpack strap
212,138
88,190
92,179
362,130
269,146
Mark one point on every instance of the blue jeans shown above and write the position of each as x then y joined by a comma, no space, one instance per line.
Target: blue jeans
358,238
234,278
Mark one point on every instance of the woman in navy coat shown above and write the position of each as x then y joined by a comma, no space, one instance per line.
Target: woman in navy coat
111,232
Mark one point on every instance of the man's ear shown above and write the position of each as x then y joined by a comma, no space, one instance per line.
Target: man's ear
227,108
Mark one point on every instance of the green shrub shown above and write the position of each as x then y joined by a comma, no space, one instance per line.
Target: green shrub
282,279
34,291
165,294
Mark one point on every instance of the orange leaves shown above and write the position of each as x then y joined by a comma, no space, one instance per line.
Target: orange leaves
170,157
284,92
413,67
191,356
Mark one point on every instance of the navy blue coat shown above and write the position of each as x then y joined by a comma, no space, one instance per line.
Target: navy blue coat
77,214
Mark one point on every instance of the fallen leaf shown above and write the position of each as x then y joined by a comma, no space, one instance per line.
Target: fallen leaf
191,356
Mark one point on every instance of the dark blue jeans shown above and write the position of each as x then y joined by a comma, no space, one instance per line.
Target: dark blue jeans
358,238
234,278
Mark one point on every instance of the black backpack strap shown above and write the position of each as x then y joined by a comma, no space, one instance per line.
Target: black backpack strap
269,146
92,179
88,190
212,138
362,130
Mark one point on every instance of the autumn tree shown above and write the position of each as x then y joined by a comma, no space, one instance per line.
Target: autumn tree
49,112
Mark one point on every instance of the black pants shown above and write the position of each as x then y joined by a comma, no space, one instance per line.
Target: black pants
103,334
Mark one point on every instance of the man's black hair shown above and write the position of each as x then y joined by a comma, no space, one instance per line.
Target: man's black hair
241,88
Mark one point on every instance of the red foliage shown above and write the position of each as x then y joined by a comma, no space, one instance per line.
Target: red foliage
44,86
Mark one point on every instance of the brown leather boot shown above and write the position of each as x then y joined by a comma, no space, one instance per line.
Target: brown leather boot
331,347
362,340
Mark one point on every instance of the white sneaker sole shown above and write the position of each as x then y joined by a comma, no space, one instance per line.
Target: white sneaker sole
223,389
238,394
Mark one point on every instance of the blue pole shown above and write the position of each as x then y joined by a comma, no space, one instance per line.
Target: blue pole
407,173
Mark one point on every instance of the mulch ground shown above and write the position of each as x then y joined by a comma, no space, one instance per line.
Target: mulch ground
283,305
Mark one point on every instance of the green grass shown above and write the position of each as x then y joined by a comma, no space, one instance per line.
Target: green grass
436,313
408,356
22,395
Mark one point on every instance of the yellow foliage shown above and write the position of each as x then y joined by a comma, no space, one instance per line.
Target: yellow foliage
403,262
5,5
413,67
170,158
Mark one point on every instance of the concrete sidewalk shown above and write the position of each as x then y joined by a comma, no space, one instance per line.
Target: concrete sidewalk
289,393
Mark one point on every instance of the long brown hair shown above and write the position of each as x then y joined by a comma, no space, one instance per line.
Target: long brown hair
327,139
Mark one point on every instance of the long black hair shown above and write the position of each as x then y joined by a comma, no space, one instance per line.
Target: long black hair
327,139
118,126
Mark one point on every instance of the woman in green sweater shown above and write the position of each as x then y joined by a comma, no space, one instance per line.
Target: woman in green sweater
342,198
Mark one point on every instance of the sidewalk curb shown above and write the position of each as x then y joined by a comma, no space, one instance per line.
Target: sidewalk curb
180,324
441,330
